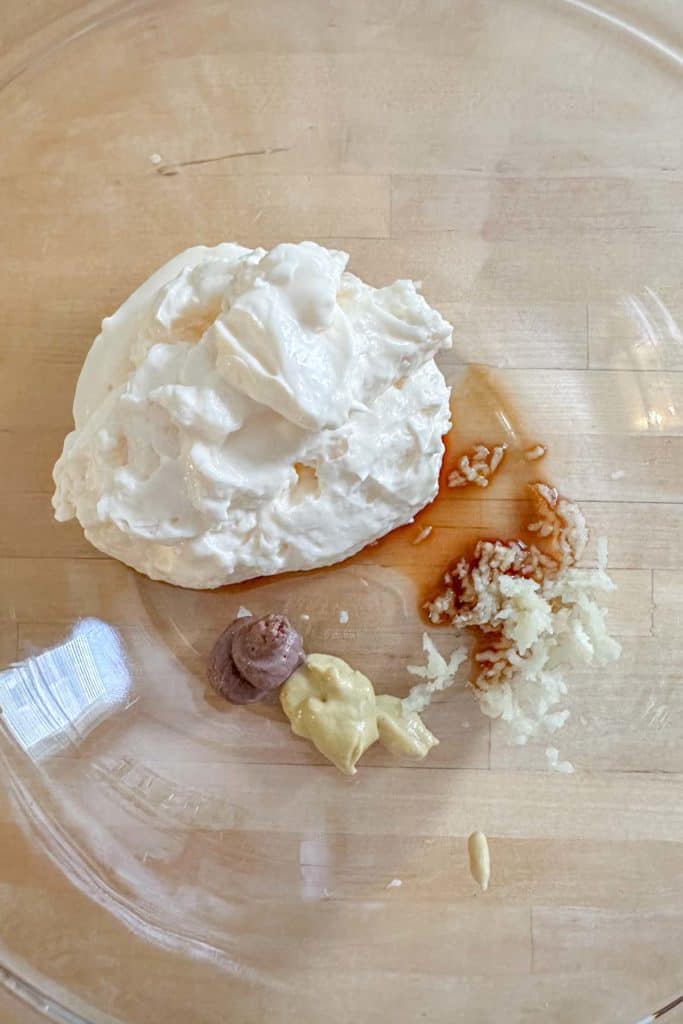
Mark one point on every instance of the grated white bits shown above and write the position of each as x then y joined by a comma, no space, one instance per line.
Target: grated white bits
553,757
243,613
438,674
535,616
343,616
477,466
423,534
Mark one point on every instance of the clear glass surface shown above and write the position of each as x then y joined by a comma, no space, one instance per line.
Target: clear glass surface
167,857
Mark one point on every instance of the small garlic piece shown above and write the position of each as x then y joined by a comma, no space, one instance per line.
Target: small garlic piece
535,453
480,859
423,534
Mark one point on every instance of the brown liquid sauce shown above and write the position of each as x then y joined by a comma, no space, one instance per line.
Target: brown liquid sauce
461,516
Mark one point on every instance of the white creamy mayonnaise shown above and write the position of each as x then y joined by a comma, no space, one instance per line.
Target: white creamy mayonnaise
248,412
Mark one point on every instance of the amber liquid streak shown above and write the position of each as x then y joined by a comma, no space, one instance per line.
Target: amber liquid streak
459,517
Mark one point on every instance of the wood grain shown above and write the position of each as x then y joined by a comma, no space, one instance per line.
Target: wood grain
525,162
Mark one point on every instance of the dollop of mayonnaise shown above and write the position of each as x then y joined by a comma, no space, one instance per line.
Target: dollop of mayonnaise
248,412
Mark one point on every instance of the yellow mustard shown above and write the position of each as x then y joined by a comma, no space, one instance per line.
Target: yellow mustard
334,706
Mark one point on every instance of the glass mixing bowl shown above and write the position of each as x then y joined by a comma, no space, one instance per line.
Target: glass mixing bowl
168,857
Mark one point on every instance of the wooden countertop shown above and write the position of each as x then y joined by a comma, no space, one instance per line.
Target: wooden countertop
525,161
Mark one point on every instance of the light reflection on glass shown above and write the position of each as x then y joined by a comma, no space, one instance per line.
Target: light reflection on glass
59,696
657,345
